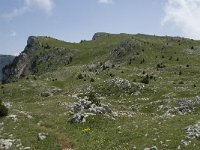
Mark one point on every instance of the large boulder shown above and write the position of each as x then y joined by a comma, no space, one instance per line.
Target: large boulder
85,107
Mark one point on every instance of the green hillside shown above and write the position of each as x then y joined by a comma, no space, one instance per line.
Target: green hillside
130,92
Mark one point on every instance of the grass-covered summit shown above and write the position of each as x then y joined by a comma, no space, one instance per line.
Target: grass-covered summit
117,91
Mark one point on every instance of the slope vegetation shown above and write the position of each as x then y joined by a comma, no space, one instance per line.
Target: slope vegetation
117,91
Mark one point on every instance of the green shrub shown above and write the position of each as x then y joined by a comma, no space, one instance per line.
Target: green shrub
92,80
142,61
93,99
80,76
161,65
146,79
3,111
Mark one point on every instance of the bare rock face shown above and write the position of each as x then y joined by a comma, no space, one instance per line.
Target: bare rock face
22,63
4,60
38,57
99,35
128,47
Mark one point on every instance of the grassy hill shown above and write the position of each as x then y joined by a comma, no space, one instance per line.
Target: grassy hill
150,83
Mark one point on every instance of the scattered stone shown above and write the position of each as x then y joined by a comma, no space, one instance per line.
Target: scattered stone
152,148
6,143
27,114
13,117
46,94
26,148
123,114
197,100
7,104
193,131
84,108
134,147
42,136
78,117
179,147
137,93
120,83
185,143
181,107
50,92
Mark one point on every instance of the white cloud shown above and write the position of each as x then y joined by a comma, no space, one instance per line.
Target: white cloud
105,1
13,34
45,5
185,15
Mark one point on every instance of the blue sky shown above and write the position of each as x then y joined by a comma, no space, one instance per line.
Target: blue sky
74,20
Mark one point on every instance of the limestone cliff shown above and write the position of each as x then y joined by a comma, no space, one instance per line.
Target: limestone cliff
39,56
22,63
4,60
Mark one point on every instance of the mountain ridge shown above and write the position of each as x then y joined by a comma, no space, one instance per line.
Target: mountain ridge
40,49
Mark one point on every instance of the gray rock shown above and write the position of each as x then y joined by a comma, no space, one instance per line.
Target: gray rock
7,104
46,94
84,108
42,136
32,41
108,64
92,67
13,117
50,92
100,35
122,84
197,100
152,148
77,118
193,131
128,47
107,108
137,93
55,90
6,143
183,107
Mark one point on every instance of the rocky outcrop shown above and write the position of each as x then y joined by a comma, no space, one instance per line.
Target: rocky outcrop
87,106
38,57
193,131
99,35
21,64
50,92
130,48
4,60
